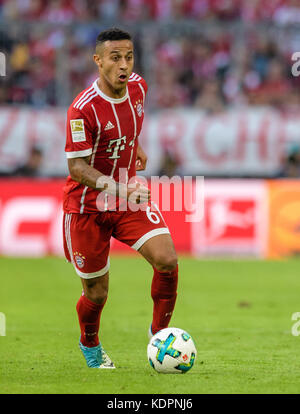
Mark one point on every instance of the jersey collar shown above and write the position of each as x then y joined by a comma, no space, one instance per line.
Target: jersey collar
108,98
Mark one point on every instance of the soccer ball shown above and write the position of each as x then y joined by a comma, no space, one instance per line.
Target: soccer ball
171,351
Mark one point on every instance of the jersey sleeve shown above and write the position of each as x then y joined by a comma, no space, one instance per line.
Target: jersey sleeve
79,141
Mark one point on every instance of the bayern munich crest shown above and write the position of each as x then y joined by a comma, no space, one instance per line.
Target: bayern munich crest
79,259
139,107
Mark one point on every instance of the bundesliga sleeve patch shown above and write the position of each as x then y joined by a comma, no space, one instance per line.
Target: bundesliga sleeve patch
77,130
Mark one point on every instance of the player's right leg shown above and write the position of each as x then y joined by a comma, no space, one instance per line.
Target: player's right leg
89,309
86,245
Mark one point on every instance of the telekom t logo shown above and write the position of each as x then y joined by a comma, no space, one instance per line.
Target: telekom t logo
116,145
2,64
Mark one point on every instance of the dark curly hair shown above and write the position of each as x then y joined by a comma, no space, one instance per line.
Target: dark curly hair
112,34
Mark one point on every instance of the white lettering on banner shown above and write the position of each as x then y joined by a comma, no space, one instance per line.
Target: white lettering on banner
214,152
251,141
248,141
21,210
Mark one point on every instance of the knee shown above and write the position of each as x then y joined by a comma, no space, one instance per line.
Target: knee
166,262
98,297
96,293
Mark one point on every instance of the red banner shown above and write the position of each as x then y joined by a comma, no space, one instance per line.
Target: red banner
31,219
234,221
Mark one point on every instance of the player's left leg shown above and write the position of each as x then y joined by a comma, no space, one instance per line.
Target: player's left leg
146,231
159,251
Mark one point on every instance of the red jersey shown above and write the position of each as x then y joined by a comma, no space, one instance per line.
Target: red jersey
108,130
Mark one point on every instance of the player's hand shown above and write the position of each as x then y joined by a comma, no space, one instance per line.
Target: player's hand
137,193
141,159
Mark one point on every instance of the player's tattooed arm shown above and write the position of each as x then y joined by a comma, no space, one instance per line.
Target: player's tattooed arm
85,174
82,172
141,159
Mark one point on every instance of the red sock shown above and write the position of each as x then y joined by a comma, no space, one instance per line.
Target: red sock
89,320
164,293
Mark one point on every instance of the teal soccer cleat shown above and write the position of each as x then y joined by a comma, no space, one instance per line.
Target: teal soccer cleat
96,357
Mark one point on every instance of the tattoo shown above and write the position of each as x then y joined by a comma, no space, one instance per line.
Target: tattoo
82,172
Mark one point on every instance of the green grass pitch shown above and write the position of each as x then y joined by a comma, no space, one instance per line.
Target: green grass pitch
238,312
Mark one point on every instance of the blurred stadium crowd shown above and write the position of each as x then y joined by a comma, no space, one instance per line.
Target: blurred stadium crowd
66,11
238,60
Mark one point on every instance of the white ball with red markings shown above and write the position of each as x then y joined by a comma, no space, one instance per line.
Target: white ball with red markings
171,351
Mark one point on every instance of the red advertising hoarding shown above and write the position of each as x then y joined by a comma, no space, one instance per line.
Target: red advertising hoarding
235,219
31,219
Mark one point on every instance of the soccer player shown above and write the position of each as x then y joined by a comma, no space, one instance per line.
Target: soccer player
103,125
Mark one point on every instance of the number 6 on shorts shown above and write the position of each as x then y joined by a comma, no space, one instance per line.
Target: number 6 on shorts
153,217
